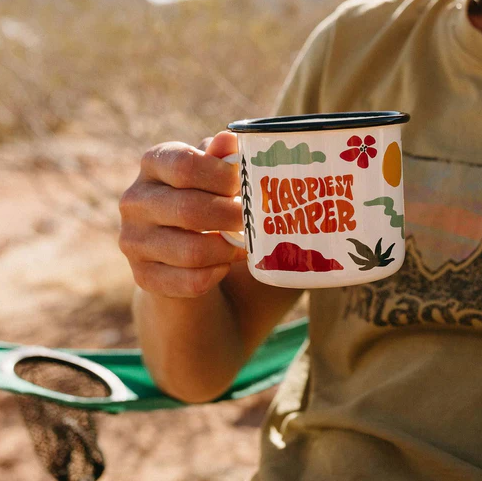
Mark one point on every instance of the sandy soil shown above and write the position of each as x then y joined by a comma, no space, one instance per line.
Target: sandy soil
64,283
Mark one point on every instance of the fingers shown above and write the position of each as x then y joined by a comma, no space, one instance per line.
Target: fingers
186,208
181,193
179,247
185,167
204,143
223,144
177,282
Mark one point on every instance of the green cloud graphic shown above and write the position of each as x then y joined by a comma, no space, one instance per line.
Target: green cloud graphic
279,154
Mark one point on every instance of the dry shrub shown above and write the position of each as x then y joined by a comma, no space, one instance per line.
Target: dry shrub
140,73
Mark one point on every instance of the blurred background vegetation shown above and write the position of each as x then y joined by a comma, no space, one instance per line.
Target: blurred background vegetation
85,87
134,72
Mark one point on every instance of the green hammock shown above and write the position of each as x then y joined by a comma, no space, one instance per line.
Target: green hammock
131,388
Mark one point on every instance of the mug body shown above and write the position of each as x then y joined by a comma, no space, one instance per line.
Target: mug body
323,208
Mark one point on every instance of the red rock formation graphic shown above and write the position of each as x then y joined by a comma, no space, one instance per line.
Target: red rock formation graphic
290,257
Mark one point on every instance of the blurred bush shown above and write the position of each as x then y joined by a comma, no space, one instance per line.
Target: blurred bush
138,73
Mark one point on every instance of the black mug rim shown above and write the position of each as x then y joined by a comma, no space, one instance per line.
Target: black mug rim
316,122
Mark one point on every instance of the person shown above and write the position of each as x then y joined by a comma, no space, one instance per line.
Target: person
389,386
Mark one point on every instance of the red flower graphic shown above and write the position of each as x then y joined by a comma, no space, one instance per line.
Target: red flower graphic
360,150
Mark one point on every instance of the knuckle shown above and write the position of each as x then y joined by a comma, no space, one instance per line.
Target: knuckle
176,157
155,153
128,201
148,156
182,168
129,245
199,283
193,253
144,277
124,243
185,211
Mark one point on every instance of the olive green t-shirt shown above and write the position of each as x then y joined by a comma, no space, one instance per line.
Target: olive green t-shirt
389,388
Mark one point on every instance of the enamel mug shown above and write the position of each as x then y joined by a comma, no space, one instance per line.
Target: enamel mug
322,197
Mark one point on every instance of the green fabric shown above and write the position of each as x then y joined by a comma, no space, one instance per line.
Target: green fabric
266,368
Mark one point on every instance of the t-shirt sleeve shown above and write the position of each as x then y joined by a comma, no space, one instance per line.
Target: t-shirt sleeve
300,93
322,78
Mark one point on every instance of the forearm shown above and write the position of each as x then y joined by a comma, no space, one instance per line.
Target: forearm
192,347
193,343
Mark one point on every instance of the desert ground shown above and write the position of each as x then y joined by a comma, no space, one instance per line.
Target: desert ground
86,88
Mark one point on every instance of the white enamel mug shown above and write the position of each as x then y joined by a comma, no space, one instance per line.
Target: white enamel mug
322,198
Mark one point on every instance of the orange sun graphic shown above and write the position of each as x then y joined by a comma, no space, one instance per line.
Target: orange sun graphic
392,165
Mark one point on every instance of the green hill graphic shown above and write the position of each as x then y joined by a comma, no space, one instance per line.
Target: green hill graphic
279,154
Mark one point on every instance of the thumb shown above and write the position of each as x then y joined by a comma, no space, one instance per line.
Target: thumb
223,144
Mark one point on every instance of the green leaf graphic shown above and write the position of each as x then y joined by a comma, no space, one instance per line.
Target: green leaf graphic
378,247
362,249
357,260
370,259
388,252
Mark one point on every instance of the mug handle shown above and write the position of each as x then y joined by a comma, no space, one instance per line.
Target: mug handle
234,238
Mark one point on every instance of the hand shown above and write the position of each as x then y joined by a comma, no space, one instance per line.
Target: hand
182,192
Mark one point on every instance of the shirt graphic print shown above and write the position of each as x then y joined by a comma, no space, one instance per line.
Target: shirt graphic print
440,281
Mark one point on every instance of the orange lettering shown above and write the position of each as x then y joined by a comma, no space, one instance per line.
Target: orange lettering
280,225
339,187
299,188
345,215
297,223
330,190
329,223
286,196
322,191
312,184
270,193
268,225
348,180
313,213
